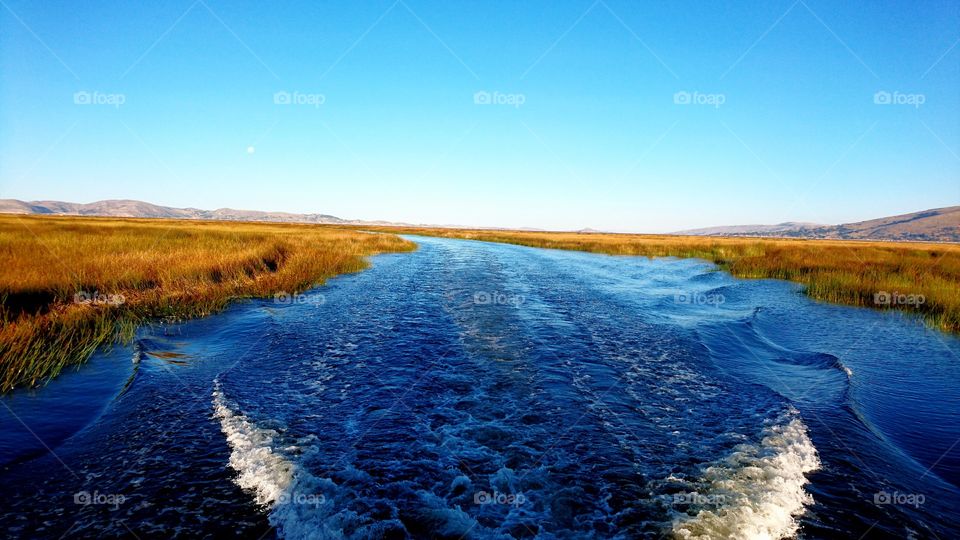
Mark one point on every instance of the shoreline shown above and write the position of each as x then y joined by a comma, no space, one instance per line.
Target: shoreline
854,273
76,283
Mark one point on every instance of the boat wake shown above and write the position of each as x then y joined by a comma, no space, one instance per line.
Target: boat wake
267,471
755,492
262,470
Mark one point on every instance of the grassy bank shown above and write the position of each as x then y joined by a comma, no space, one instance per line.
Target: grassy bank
71,284
843,272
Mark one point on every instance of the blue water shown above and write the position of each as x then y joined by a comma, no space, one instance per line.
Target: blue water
476,390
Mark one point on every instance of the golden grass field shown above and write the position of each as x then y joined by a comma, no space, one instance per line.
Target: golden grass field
839,271
71,284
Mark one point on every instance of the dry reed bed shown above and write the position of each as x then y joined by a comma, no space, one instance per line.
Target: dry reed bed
71,284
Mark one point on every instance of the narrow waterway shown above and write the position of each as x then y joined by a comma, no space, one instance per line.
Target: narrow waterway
477,390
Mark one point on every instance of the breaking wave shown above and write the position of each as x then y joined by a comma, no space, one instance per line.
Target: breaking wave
264,472
757,491
295,499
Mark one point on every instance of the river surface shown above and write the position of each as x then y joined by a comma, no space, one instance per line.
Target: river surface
478,390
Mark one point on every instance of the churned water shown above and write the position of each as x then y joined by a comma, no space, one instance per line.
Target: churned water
476,390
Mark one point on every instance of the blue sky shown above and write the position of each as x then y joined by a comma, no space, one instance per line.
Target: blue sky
615,115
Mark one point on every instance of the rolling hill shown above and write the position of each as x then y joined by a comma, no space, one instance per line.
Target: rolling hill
140,209
935,225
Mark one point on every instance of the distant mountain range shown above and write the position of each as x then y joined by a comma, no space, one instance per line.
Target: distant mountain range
140,209
753,230
936,225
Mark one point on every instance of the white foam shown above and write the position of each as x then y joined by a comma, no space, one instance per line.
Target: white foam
758,491
264,472
293,497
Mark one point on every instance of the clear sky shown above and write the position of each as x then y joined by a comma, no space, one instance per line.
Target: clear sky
647,116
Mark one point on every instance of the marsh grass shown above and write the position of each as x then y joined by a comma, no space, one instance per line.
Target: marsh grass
72,284
843,272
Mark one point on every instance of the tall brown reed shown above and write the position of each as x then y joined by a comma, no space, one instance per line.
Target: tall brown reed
71,284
